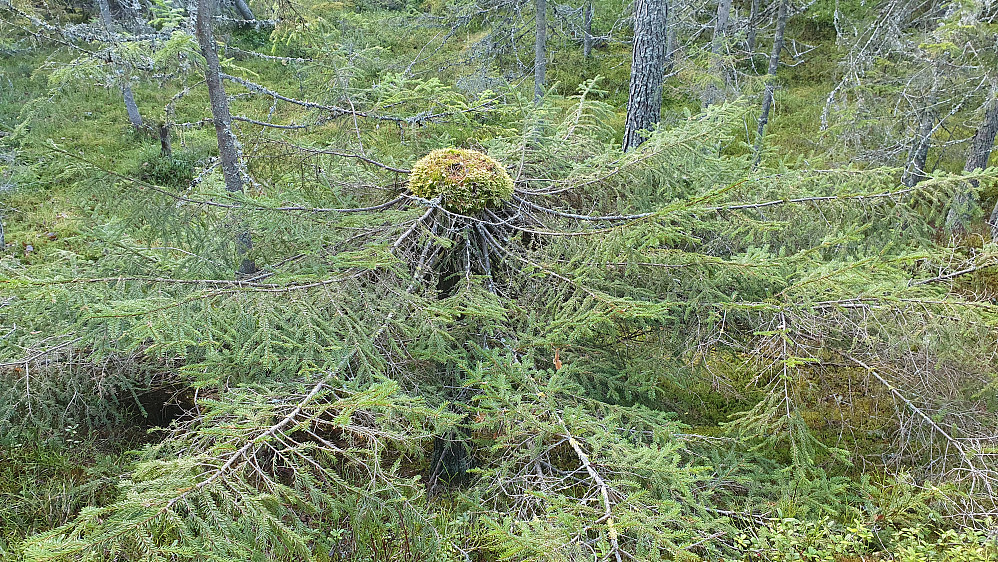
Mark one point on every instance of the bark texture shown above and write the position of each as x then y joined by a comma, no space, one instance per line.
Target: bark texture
644,99
228,149
774,65
980,152
919,154
105,16
540,54
984,138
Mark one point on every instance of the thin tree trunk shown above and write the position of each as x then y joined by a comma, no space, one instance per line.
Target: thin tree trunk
774,64
228,148
713,94
964,203
984,138
670,39
644,99
753,27
134,117
105,17
540,56
131,108
919,154
165,147
958,218
587,29
915,171
244,10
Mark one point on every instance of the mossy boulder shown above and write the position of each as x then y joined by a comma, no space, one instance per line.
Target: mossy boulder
467,180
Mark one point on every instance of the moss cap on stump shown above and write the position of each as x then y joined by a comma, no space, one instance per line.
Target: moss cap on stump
468,181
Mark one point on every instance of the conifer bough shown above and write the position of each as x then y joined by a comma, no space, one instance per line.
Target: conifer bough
467,181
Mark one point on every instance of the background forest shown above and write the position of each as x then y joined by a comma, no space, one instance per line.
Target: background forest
481,280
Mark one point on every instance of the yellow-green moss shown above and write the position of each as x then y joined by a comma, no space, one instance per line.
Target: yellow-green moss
468,180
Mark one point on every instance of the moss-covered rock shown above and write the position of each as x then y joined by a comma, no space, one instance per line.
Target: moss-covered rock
468,180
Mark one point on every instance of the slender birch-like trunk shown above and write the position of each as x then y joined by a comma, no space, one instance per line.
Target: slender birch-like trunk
774,65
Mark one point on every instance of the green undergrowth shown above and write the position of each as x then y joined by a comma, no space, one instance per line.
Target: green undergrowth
45,485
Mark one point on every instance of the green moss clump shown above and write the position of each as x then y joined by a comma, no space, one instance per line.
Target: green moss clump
468,180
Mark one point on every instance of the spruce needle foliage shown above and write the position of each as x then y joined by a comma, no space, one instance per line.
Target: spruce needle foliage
514,375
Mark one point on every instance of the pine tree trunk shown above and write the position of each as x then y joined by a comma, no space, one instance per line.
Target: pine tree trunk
587,27
228,148
644,99
540,56
984,138
713,93
919,154
774,65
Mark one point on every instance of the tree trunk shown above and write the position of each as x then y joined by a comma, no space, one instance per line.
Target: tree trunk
228,148
984,138
774,64
918,155
540,56
587,29
670,39
753,26
165,147
105,17
244,10
716,69
644,99
134,117
958,218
